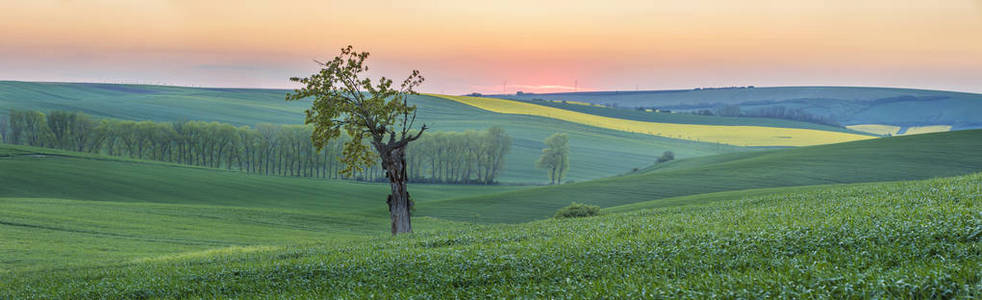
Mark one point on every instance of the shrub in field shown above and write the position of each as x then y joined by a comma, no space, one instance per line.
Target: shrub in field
666,156
577,210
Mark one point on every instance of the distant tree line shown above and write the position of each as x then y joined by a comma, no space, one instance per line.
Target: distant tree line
773,112
268,149
458,157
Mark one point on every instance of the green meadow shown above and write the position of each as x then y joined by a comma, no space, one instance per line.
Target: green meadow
837,242
891,217
886,159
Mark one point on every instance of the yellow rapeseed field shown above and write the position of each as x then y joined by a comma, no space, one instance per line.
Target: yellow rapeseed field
732,135
879,129
927,129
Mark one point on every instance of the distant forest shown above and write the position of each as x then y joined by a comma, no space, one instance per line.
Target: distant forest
475,157
774,112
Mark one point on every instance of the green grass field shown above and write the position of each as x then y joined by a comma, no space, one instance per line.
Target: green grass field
166,205
851,241
62,208
894,217
887,159
30,172
591,146
44,173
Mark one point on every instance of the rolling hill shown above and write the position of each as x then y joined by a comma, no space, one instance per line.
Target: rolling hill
31,172
740,135
53,208
44,173
678,118
847,105
792,244
179,231
591,146
887,159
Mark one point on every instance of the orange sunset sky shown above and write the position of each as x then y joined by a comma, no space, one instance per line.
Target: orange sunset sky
468,46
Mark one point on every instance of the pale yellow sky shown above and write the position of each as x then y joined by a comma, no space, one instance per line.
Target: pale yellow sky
464,46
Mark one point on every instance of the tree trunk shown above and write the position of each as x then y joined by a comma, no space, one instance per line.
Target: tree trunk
394,163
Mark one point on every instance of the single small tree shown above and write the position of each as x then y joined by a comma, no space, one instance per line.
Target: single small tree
666,156
343,99
555,157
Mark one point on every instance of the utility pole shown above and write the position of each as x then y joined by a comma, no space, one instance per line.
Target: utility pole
576,85
504,87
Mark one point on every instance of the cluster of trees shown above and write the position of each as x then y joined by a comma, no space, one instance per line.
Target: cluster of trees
555,157
286,150
781,112
458,157
773,112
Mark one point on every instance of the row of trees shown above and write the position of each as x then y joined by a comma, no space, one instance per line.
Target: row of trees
773,112
461,157
286,150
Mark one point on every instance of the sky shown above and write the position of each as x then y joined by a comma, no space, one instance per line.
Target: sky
500,46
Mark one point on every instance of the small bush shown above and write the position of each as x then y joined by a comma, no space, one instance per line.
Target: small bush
577,210
666,156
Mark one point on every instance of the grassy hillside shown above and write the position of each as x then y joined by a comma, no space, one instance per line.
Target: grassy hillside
591,146
886,159
742,135
847,105
800,244
45,173
54,208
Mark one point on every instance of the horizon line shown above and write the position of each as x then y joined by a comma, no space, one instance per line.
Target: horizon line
160,84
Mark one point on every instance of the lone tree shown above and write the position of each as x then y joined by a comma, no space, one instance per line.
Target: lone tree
555,157
666,156
345,99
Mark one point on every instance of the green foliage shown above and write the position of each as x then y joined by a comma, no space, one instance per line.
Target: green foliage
269,149
577,210
369,112
914,240
4,126
459,157
29,128
555,157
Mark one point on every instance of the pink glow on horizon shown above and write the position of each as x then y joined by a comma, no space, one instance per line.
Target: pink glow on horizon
538,46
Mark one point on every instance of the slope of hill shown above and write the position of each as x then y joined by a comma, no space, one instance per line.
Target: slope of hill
591,146
30,172
54,208
886,159
786,245
679,118
741,135
847,105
